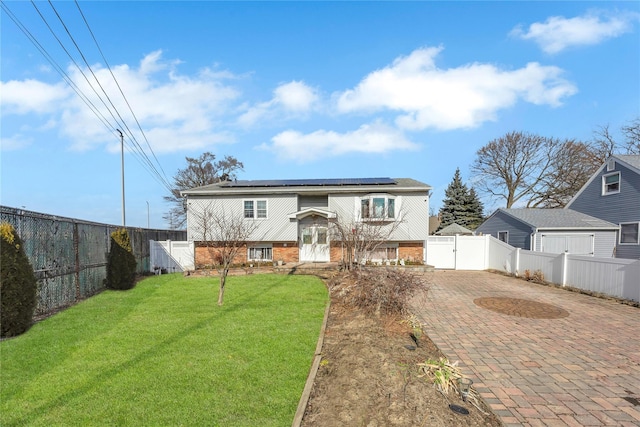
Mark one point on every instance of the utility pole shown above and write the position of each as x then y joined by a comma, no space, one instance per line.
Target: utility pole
124,222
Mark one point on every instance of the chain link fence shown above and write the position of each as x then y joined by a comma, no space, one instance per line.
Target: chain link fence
69,256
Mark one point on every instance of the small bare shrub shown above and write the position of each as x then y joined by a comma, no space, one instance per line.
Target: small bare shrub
377,290
538,276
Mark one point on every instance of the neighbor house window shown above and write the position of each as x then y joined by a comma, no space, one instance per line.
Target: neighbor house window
260,253
611,183
255,208
629,233
503,236
378,207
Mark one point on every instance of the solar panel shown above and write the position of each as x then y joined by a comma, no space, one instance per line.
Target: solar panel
311,182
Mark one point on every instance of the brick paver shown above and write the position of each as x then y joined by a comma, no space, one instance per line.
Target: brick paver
566,371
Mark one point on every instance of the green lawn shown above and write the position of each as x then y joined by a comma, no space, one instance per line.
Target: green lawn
165,354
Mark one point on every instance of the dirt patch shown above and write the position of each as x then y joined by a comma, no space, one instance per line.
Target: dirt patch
368,376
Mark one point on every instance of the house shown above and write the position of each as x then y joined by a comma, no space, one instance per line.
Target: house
293,217
453,229
613,194
552,230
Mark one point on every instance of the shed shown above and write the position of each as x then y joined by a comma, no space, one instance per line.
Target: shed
553,231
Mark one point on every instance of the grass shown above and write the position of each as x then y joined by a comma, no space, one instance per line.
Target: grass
164,354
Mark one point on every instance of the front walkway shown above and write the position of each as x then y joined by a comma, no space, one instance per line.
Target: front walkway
579,370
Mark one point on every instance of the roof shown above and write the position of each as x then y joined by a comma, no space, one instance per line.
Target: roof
329,185
557,219
631,160
453,229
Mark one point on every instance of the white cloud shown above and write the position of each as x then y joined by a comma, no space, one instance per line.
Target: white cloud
175,111
15,142
293,99
32,96
463,97
558,33
369,138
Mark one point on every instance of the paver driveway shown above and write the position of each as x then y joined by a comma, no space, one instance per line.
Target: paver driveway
579,370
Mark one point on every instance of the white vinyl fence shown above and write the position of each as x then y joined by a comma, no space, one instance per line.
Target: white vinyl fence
611,276
169,256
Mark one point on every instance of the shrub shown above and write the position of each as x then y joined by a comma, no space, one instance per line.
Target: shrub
18,285
121,264
385,291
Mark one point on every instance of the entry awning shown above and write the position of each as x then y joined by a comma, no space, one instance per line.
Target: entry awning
312,211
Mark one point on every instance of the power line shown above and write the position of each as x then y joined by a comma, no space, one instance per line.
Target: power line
133,144
119,87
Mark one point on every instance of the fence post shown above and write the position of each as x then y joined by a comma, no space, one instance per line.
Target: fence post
516,272
564,268
76,251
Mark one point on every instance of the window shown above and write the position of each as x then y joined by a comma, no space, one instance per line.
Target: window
611,183
322,236
255,208
378,207
260,253
503,236
382,253
629,233
248,208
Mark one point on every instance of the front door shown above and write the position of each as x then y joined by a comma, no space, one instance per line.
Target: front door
314,243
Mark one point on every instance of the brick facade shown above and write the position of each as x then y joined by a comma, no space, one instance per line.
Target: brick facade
286,252
411,251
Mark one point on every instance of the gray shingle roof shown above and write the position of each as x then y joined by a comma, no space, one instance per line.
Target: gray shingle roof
558,218
453,229
633,160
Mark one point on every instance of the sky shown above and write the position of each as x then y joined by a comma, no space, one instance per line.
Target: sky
293,90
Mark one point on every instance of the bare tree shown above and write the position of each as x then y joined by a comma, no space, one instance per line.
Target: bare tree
512,166
631,132
200,171
572,165
541,171
361,236
603,145
224,235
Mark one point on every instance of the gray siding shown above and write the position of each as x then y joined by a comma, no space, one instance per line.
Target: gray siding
412,209
616,208
519,233
305,202
277,227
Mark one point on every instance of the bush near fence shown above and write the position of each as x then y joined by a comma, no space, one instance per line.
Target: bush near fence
69,256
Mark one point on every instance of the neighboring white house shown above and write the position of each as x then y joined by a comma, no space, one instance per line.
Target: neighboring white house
553,231
292,216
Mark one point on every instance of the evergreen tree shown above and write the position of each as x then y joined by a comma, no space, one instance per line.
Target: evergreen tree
475,210
18,285
461,205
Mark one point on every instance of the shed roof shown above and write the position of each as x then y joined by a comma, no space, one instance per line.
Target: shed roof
453,229
558,219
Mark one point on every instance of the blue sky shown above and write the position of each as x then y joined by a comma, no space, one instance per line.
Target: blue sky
297,90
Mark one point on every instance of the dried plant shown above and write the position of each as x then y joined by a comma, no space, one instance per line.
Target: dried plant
377,290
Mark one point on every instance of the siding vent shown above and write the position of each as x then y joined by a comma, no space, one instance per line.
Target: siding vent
611,165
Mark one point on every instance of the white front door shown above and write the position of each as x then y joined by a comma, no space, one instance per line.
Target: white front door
314,243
